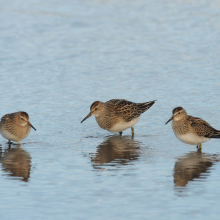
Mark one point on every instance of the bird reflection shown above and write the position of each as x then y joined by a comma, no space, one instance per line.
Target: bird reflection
192,165
116,150
16,162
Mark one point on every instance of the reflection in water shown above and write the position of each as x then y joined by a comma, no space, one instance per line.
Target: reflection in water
17,162
191,166
116,150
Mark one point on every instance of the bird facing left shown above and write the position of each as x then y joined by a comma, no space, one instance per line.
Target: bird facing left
15,126
117,115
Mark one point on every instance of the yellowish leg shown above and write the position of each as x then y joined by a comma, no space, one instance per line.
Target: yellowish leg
199,150
9,144
199,146
132,131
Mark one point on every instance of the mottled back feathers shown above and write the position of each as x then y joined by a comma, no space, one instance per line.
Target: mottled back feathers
190,124
126,109
203,128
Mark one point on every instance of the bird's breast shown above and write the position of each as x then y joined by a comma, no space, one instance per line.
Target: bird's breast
123,125
191,138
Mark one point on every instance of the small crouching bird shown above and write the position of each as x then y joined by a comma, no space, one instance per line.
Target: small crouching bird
191,130
15,126
117,115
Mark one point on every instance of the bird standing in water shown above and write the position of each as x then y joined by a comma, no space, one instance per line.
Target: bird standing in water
15,126
117,115
191,130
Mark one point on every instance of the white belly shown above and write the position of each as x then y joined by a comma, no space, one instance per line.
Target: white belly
121,126
191,138
7,135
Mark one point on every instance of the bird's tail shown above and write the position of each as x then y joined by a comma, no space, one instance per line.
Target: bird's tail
146,105
215,134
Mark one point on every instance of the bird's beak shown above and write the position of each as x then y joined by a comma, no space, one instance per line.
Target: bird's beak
169,120
90,114
31,126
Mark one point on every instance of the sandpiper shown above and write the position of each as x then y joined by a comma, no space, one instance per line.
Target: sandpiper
191,130
15,126
117,115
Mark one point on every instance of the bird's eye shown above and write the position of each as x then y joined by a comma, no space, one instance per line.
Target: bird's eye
179,113
95,108
22,118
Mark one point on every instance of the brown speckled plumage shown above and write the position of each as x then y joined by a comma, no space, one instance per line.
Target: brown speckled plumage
126,109
9,123
15,124
117,115
191,130
195,125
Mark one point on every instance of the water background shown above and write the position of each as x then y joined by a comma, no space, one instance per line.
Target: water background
58,57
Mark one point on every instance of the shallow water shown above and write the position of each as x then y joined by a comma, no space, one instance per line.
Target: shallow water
58,57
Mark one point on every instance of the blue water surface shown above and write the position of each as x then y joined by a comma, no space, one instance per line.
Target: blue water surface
58,57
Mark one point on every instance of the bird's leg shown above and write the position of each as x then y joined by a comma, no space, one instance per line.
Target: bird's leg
199,150
120,133
132,131
199,146
9,144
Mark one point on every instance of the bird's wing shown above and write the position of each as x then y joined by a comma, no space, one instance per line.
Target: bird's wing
203,128
126,109
6,118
